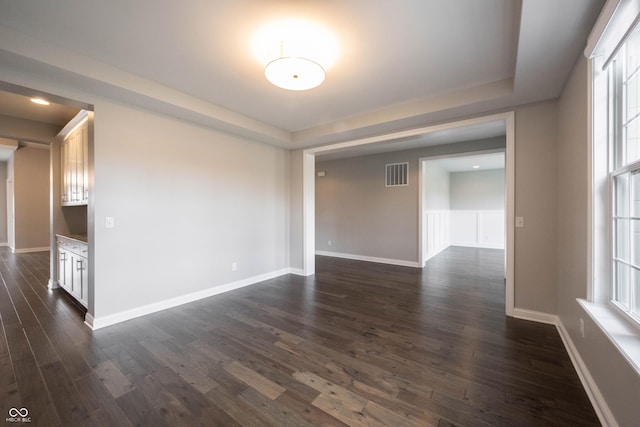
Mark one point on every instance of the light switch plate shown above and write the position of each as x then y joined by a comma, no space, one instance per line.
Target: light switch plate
109,222
519,222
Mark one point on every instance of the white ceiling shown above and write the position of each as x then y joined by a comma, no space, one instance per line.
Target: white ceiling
402,64
467,163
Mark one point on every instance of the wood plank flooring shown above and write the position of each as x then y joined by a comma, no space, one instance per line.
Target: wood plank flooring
358,344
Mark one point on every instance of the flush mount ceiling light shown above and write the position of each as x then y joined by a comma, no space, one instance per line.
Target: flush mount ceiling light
294,73
40,101
295,53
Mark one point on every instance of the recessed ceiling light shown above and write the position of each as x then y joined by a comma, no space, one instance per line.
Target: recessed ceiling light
476,167
40,101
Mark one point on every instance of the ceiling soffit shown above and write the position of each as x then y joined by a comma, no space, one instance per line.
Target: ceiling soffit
513,53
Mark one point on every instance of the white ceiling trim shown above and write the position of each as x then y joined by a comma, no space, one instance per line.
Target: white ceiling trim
100,72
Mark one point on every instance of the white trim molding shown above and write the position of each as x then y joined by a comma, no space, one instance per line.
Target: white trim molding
29,250
296,271
535,316
593,392
399,262
53,284
104,321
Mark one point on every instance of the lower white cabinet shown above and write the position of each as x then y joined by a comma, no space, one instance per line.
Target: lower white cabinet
73,268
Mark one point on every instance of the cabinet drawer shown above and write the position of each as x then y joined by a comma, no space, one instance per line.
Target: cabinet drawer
73,246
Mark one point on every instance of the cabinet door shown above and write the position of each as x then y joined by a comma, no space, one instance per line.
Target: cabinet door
85,163
80,279
64,171
73,166
63,260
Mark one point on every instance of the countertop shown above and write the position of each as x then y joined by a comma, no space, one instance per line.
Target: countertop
79,237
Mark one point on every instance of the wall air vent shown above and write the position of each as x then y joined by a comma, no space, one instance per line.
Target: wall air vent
397,174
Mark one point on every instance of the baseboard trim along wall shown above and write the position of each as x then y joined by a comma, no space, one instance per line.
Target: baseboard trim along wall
28,250
112,319
53,284
400,262
296,271
597,400
535,316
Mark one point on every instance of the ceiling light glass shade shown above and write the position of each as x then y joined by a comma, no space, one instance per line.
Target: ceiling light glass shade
294,73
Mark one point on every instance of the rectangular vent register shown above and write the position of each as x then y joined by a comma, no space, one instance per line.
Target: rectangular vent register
397,174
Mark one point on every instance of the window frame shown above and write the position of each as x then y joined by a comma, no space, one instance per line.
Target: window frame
617,166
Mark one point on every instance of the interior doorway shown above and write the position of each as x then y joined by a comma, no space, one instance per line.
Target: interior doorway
506,120
462,201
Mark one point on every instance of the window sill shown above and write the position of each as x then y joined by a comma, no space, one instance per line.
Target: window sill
622,333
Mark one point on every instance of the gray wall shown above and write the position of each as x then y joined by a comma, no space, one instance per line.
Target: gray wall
477,190
187,202
3,203
535,244
31,197
361,216
295,210
617,381
436,187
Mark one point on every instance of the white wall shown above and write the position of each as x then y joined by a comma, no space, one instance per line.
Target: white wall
477,208
188,202
437,227
477,190
436,187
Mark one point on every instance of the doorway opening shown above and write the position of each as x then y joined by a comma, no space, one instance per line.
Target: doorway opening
37,206
462,202
433,135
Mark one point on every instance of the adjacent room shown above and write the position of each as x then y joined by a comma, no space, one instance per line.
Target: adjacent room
268,213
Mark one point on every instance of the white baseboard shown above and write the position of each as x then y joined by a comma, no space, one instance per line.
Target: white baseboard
597,400
477,245
370,259
296,271
29,250
6,244
53,284
104,321
89,320
535,316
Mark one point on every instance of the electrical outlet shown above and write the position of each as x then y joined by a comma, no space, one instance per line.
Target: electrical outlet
582,327
234,266
329,243
109,222
519,222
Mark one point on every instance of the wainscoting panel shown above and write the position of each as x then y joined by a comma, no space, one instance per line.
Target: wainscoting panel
478,229
437,232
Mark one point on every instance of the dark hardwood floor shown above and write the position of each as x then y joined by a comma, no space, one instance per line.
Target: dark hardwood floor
358,344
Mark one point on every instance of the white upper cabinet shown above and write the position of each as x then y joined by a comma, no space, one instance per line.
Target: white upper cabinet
74,162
